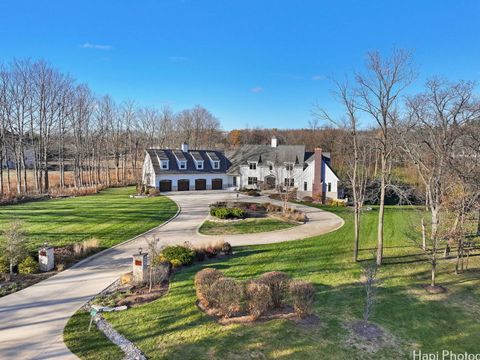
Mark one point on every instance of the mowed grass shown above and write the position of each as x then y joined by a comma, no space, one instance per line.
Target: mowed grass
173,327
110,216
247,226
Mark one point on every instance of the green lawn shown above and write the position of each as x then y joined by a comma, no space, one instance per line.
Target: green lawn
247,226
110,216
173,328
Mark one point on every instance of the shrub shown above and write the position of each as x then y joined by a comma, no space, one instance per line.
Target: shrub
277,281
28,266
335,202
259,298
227,248
181,254
253,193
154,192
237,213
227,213
228,295
204,280
221,212
211,252
85,248
303,296
175,263
4,265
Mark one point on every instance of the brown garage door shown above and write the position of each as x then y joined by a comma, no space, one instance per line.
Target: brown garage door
183,185
217,184
200,184
165,185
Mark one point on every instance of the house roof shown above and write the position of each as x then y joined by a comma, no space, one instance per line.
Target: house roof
172,155
263,154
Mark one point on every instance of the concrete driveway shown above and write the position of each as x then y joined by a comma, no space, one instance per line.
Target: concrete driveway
32,320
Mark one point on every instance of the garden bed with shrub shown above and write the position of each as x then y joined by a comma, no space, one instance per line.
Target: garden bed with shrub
272,296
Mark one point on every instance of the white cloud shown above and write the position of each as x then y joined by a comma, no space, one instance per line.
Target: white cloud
318,77
88,45
256,89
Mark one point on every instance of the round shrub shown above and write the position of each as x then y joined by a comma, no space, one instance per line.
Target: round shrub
220,212
28,266
227,248
237,213
277,281
303,296
204,280
228,295
259,298
181,254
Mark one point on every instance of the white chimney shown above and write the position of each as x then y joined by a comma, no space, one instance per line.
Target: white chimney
274,142
185,147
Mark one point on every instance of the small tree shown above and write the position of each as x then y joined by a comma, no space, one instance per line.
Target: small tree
154,250
13,245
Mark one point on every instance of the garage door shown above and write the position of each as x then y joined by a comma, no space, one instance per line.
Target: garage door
200,184
183,185
165,185
217,184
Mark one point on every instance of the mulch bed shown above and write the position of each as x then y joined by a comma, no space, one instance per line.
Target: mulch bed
434,289
21,281
142,295
242,317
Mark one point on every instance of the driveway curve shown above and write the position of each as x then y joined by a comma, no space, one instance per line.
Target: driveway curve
32,320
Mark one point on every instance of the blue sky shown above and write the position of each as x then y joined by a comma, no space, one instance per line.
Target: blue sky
252,63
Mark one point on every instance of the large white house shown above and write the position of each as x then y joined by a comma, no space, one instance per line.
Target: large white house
250,166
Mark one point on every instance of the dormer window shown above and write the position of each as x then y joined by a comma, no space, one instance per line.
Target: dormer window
289,166
216,165
253,166
164,164
199,165
182,165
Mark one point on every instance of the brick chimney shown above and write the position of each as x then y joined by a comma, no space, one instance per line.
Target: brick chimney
317,188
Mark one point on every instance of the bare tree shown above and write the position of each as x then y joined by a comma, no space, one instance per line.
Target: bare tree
378,93
432,134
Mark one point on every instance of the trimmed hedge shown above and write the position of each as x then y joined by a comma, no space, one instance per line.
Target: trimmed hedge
178,255
227,213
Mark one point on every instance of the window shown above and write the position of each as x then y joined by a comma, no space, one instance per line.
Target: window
165,165
199,165
289,182
253,166
305,186
252,181
216,164
289,167
183,165
270,167
329,187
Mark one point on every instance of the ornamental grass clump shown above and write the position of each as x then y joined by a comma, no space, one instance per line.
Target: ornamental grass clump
204,280
258,298
303,296
228,295
277,282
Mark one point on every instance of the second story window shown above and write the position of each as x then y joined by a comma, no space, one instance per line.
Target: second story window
216,164
253,166
199,165
289,167
182,165
165,165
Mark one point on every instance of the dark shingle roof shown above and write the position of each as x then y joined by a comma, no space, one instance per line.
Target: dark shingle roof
168,154
264,154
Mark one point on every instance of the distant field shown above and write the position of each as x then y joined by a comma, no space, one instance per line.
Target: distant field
110,216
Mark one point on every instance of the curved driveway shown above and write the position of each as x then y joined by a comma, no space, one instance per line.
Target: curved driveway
32,320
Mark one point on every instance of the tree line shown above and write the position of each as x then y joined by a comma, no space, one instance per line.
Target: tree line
49,121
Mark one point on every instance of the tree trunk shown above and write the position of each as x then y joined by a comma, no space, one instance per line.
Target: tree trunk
381,215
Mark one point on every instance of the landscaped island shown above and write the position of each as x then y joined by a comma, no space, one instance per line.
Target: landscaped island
173,327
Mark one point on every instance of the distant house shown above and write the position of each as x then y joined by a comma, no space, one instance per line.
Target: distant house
250,166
